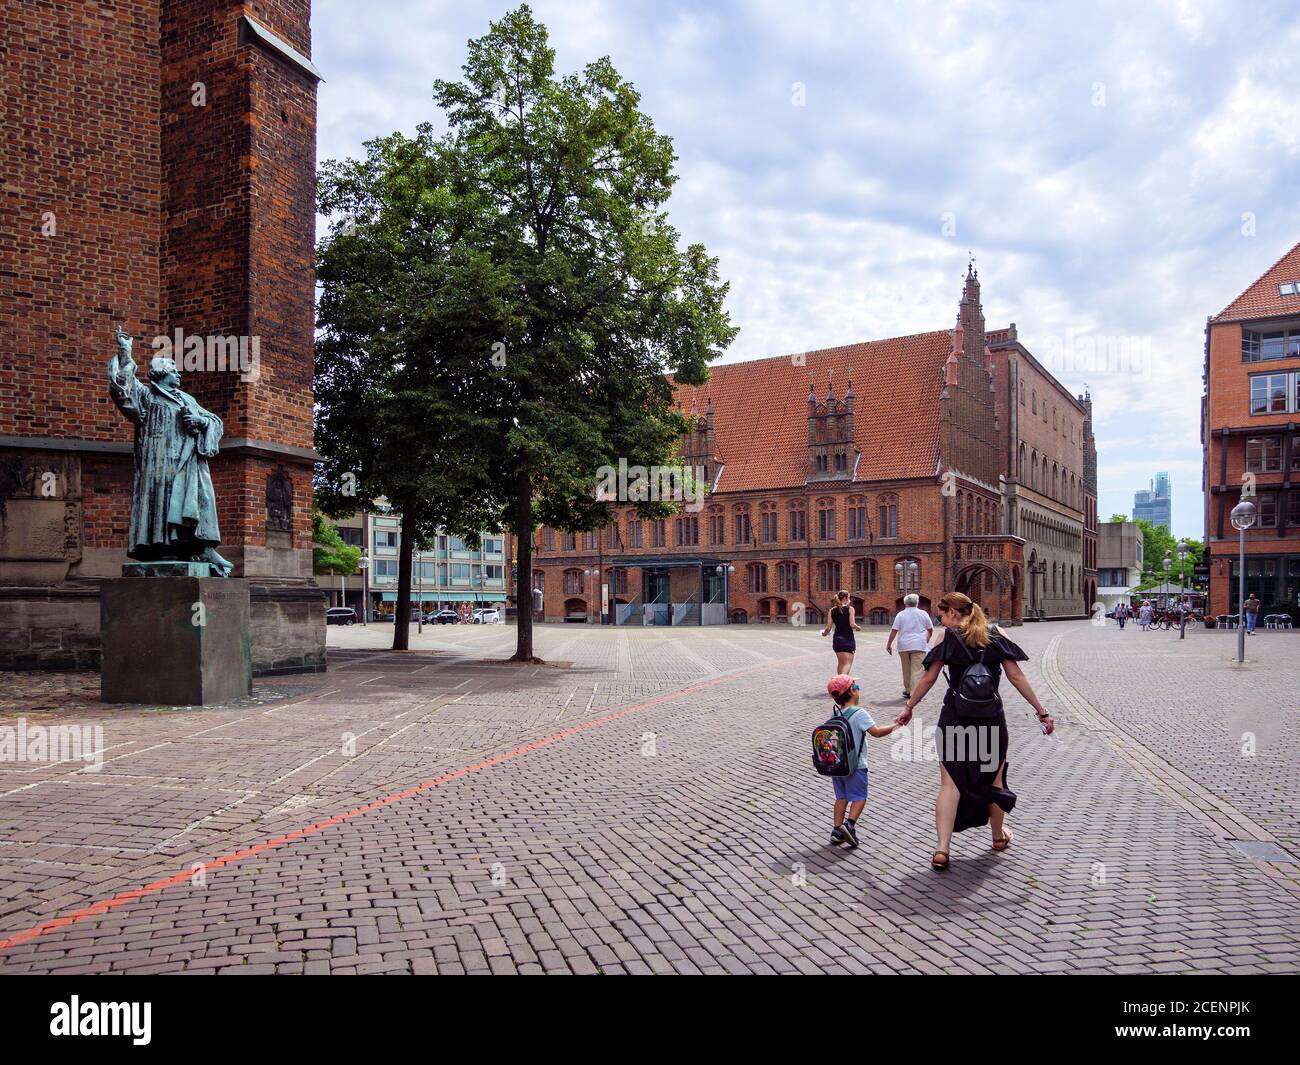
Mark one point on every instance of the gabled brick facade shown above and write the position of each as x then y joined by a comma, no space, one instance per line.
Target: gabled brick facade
909,465
1250,436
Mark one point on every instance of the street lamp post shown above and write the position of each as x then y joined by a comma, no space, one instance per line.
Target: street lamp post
1243,517
724,572
364,563
906,572
592,573
1182,592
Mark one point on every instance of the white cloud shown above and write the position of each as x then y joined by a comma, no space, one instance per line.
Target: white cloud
1122,220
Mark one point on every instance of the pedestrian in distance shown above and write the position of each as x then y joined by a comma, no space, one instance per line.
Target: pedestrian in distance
913,630
1121,614
851,787
1251,609
1144,615
971,735
845,624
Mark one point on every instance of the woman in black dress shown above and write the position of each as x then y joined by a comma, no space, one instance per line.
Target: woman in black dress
845,624
973,754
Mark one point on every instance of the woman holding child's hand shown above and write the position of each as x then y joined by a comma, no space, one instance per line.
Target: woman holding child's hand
971,735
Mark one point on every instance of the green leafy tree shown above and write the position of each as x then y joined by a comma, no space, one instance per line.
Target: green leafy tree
408,301
329,554
602,302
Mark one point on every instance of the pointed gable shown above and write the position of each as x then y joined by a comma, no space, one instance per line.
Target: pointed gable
1264,298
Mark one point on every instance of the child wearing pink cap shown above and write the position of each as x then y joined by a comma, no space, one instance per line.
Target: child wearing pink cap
851,791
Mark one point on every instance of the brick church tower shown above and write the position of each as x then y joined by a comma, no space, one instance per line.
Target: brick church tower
162,177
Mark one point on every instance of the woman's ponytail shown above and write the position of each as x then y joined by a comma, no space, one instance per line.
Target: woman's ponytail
975,629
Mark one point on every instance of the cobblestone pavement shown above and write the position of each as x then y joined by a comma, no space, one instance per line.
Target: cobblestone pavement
646,804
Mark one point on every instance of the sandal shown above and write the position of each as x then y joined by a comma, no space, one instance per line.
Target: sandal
937,865
1005,842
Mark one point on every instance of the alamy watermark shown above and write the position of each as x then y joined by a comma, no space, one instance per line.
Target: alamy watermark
916,742
193,353
52,743
1095,354
643,484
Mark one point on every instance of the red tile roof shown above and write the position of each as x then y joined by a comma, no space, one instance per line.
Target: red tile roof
760,410
1262,299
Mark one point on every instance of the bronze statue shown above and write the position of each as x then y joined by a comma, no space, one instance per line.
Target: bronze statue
173,506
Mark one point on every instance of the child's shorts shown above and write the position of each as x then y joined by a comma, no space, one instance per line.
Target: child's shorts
853,787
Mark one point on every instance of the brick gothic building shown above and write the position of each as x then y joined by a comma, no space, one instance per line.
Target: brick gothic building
903,481
158,171
1250,434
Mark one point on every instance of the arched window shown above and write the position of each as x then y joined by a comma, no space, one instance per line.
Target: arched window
573,582
825,519
828,576
888,516
907,574
787,577
961,513
857,509
756,577
717,526
797,522
1033,469
1021,473
1056,492
970,515
767,523
1046,482
864,575
741,520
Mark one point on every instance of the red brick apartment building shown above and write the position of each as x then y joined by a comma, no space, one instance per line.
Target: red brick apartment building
881,468
158,170
1250,434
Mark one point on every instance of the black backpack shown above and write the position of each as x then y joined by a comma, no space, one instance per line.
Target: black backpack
976,694
833,751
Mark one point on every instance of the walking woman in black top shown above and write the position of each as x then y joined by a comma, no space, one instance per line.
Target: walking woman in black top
845,624
973,753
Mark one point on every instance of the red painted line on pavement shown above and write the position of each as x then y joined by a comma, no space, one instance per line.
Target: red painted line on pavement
105,905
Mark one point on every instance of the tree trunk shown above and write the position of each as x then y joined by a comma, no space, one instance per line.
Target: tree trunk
402,619
524,559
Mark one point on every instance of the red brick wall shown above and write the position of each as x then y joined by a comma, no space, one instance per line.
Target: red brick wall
169,212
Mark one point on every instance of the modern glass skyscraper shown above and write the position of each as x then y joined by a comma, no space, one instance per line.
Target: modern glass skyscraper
1154,504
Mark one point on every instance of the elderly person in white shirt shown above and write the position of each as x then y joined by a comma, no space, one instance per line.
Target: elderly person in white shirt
912,628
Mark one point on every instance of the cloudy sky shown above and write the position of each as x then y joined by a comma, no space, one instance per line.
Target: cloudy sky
1120,170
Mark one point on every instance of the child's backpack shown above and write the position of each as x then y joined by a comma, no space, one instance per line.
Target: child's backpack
976,694
834,753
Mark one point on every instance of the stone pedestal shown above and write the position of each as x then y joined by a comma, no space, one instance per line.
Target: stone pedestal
182,641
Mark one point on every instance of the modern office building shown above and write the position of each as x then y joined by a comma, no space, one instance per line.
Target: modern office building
1119,561
451,575
1155,504
1250,435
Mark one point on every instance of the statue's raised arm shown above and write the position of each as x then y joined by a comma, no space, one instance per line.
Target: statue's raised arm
122,383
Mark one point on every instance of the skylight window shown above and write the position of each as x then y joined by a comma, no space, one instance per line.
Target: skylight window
1291,288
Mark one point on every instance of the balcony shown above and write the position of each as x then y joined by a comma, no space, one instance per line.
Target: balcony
995,548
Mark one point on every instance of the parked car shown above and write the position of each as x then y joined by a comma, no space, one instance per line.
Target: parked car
446,617
340,615
487,616
380,615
